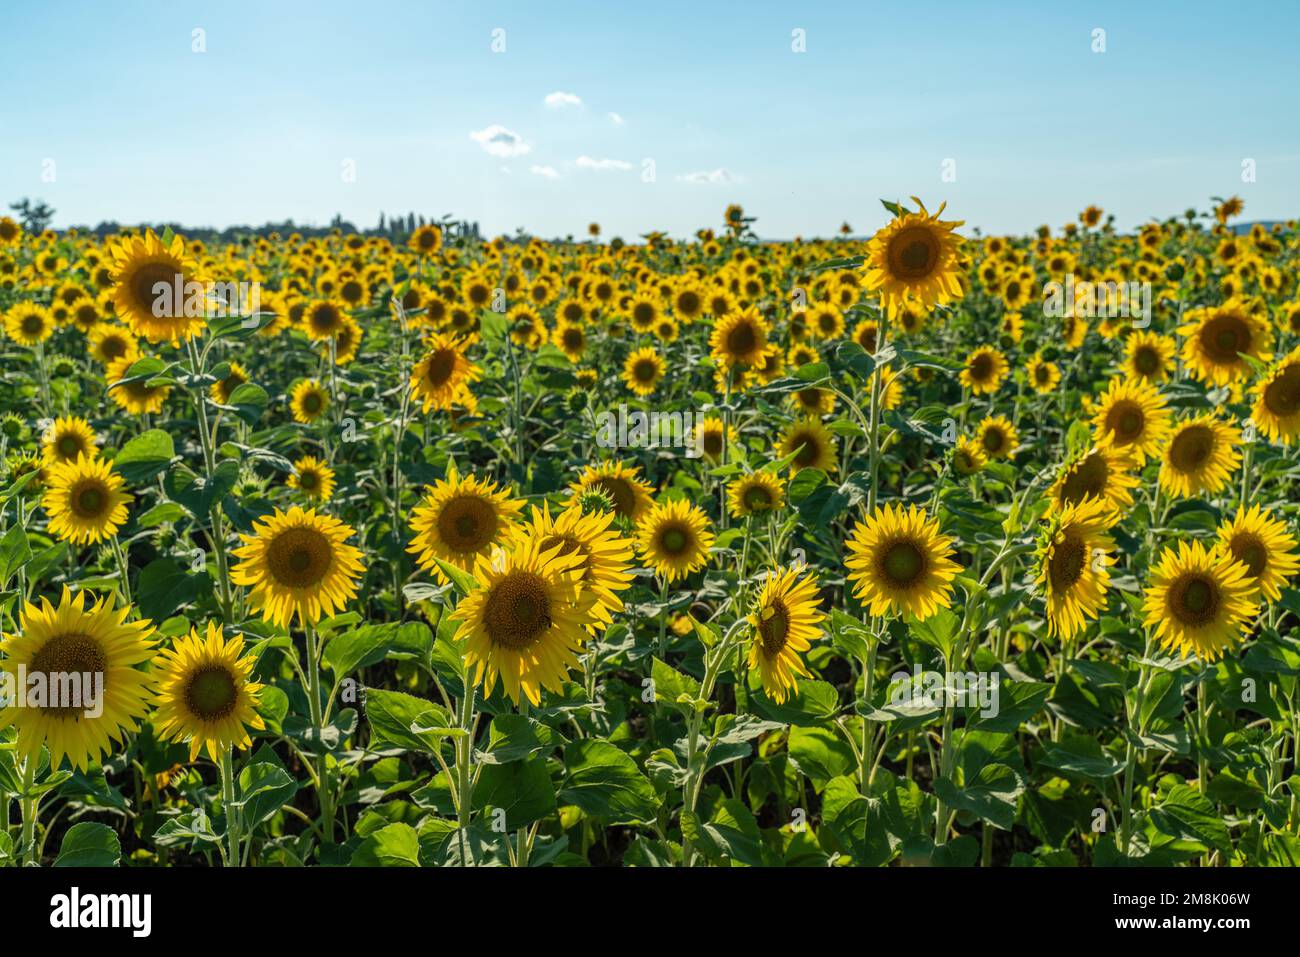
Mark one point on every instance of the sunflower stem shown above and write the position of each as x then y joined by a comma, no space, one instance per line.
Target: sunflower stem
120,555
323,793
30,807
206,439
228,802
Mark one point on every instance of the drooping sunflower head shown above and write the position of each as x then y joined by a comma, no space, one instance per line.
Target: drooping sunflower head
206,695
756,493
1200,455
308,401
89,660
786,620
221,390
1103,472
899,562
984,370
313,477
998,437
1074,557
67,439
643,370
1264,545
1277,400
298,563
1217,340
915,257
968,456
1199,600
674,537
1133,415
811,443
460,519
622,483
84,500
443,373
153,288
527,621
739,339
28,323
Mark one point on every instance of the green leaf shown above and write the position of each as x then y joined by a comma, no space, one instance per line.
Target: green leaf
248,401
606,783
264,787
165,586
463,581
397,845
1186,813
730,834
820,753
394,716
514,737
671,687
15,552
145,456
371,644
89,844
522,789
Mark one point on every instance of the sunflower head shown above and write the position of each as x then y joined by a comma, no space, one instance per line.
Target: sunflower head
67,439
460,519
984,370
739,339
785,620
1264,545
84,500
1103,472
308,401
811,443
1200,456
1277,400
1132,415
915,258
313,477
1199,600
153,288
899,562
1218,341
623,485
1074,557
756,493
675,539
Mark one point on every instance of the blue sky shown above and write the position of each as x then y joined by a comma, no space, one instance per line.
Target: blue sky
259,127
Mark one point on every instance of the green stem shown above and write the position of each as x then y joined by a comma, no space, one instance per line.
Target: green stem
30,806
232,812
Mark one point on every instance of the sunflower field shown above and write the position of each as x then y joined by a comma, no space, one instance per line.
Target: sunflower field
924,548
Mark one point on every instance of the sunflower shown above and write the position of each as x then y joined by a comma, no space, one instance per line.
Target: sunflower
443,373
571,339
1044,376
643,312
84,500
802,354
786,621
526,622
998,437
346,342
308,401
324,318
1103,472
205,695
1198,600
1148,356
1277,400
968,456
225,387
460,519
147,276
67,439
1131,415
709,436
314,478
109,342
739,339
1218,339
28,324
137,396
66,646
298,562
826,322
642,370
811,443
1200,456
606,555
630,495
899,561
867,334
426,240
674,537
984,370
914,258
1264,545
755,493
10,231
1074,553
813,401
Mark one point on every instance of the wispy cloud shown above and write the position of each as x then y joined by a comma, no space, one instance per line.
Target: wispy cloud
499,141
559,100
602,165
615,118
546,172
710,176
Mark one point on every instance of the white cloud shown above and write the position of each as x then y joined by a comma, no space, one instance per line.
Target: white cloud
586,162
615,119
559,100
548,172
499,141
719,175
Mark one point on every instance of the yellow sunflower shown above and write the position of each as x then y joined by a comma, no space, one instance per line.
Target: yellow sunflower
1200,456
67,439
205,696
1103,472
1217,339
298,562
643,370
813,443
739,339
1131,415
88,658
323,318
1264,545
109,342
1074,556
84,500
426,240
675,539
786,621
460,519
1277,400
28,324
755,493
1044,376
630,495
968,456
984,370
899,562
308,401
1199,600
313,477
224,388
915,258
136,396
150,288
709,437
998,437
444,372
1149,356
